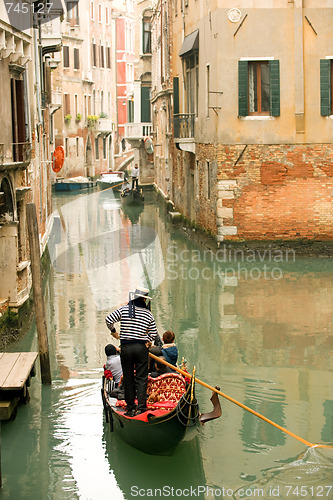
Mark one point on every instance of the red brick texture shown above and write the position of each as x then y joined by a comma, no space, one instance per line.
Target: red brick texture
281,191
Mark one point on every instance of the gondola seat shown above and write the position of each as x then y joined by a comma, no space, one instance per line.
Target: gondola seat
170,387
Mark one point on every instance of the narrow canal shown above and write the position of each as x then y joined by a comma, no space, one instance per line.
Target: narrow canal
257,325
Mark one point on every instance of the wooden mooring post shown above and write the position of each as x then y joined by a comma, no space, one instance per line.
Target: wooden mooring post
37,286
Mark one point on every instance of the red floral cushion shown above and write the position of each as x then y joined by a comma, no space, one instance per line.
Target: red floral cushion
169,387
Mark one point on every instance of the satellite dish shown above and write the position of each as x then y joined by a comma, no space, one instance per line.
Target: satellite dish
58,158
149,146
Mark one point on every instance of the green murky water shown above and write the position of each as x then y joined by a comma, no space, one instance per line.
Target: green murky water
257,325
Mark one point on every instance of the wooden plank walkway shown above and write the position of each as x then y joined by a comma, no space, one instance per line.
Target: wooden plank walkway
15,371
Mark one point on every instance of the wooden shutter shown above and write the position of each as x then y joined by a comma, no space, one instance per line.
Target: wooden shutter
176,95
325,87
242,88
274,88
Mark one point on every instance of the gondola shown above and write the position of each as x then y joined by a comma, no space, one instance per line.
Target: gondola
166,423
132,197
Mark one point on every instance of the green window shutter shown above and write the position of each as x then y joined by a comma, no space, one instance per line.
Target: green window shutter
274,88
242,88
325,87
176,95
145,104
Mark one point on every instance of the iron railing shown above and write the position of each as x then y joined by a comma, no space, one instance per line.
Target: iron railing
184,126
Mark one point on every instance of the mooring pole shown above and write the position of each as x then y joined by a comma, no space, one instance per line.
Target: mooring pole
37,286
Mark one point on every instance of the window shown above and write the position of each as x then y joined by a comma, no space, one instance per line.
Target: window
94,102
76,59
207,89
77,146
102,101
146,32
73,13
66,147
108,55
101,55
99,13
92,10
192,83
326,87
67,107
93,53
104,148
106,15
259,88
130,110
65,53
189,52
129,73
75,105
129,37
96,148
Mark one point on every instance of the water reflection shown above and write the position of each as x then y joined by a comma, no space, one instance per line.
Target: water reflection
265,342
138,474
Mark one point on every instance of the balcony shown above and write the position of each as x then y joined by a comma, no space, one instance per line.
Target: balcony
21,155
184,131
137,131
104,126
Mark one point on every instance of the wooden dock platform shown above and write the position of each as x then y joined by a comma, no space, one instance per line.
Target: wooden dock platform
16,370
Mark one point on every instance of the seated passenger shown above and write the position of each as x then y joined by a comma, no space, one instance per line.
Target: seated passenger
113,363
168,351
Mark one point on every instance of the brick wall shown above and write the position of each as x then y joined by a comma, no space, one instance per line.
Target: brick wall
268,192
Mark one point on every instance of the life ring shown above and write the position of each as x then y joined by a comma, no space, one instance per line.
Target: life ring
58,158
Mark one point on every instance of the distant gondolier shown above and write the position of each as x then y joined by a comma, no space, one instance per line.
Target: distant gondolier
137,331
135,177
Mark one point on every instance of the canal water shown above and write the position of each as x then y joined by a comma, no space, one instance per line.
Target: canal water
256,324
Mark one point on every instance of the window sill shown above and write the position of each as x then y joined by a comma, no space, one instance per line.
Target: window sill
256,117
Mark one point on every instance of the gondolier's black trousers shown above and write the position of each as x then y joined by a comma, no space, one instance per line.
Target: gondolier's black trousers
135,183
135,357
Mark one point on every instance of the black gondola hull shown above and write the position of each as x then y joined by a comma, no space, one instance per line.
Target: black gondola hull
160,435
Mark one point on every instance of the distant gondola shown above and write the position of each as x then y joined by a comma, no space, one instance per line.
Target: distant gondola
132,197
165,424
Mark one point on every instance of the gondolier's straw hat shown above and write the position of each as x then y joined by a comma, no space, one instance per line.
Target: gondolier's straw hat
140,292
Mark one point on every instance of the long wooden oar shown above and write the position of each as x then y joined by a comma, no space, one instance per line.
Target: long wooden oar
185,374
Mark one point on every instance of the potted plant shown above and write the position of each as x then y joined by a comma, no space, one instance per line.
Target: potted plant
68,119
78,118
103,115
92,120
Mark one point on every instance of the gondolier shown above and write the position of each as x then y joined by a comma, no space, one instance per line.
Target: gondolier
135,177
137,331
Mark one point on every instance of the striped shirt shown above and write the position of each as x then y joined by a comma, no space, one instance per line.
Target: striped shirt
142,328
